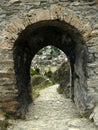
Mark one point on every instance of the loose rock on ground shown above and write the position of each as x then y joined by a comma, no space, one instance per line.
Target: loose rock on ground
52,111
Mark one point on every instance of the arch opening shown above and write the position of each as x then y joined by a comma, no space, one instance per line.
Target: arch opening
46,57
50,66
61,35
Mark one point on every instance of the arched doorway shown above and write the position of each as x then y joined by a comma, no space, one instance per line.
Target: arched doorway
61,35
50,66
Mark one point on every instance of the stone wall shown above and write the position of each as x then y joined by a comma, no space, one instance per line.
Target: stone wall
62,77
16,15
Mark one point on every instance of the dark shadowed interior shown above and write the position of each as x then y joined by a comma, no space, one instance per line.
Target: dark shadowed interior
37,36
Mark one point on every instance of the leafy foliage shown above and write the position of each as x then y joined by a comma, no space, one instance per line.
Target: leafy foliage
60,90
7,116
35,72
48,74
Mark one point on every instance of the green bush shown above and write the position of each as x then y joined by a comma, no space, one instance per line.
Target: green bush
48,74
34,72
60,90
7,116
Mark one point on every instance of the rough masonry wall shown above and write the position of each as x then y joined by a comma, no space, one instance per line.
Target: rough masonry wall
15,15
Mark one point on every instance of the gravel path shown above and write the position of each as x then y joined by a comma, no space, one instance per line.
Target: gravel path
52,111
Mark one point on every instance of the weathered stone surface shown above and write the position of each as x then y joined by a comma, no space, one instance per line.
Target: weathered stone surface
93,65
62,77
37,79
94,115
13,21
94,33
52,111
92,83
14,1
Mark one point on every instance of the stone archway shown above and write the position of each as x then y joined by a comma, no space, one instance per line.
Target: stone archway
65,32
61,35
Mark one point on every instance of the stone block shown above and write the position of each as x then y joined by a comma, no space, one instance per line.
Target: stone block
7,81
7,74
36,3
6,56
6,66
62,0
14,1
91,49
94,33
92,65
94,115
43,15
91,58
51,1
9,106
76,22
8,95
87,31
96,55
92,83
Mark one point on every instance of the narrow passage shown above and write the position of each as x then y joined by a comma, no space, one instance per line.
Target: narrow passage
52,111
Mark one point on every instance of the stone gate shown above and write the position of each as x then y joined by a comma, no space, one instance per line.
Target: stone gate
26,26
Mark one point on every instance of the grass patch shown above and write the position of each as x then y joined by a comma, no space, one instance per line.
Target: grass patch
79,116
6,116
36,94
59,90
4,124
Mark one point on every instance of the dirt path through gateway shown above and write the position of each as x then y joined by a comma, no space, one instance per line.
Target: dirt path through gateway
52,111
